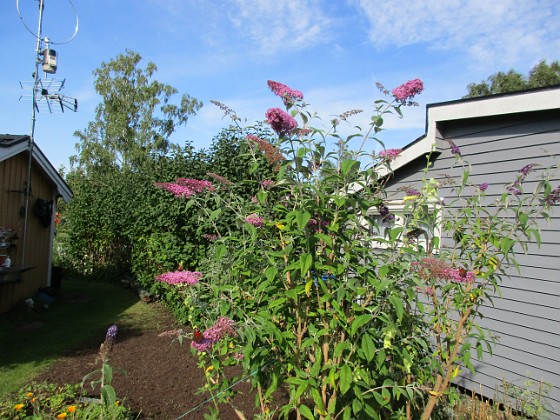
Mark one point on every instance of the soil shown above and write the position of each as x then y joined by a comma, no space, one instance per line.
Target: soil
155,376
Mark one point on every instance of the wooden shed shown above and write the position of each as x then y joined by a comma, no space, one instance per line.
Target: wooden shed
499,135
29,215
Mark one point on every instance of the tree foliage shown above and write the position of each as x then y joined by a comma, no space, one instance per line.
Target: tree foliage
135,118
540,75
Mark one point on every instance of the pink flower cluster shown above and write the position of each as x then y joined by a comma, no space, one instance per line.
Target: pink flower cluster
267,184
280,121
224,327
255,220
408,90
390,154
287,94
436,269
180,277
186,187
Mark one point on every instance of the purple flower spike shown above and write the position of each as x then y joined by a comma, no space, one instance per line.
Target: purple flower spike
111,333
483,186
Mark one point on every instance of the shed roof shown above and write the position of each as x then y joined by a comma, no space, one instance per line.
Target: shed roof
12,145
540,99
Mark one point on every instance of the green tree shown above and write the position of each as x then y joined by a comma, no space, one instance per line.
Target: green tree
540,75
135,118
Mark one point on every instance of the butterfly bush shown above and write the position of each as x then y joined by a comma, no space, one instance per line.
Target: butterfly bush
180,277
224,327
280,121
408,90
354,318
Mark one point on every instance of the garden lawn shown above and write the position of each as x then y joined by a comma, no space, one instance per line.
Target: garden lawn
30,341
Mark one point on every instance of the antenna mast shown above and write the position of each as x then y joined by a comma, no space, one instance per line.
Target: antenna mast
44,93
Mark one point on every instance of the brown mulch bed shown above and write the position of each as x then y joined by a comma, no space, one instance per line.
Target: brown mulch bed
155,376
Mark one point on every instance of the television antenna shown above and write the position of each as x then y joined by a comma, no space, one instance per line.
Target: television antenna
45,92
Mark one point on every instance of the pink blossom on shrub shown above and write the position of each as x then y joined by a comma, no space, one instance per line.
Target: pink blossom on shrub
197,185
483,186
179,277
287,94
460,275
436,269
224,327
280,121
255,220
267,184
390,154
175,189
408,90
186,187
222,180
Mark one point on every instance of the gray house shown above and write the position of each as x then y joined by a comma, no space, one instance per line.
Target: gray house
498,135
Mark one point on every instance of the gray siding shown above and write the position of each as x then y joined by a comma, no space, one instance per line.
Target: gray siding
525,319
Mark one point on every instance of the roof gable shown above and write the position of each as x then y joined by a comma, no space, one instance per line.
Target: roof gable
12,145
464,109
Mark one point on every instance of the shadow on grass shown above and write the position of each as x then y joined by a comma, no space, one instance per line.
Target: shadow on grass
78,319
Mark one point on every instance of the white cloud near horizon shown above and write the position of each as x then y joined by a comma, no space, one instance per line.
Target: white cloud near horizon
495,32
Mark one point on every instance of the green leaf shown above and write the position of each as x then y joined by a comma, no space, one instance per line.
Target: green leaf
345,379
368,347
109,395
214,214
305,262
359,322
107,373
397,304
271,272
317,399
306,412
220,251
506,244
302,218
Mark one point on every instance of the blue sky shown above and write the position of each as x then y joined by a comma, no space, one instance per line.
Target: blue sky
332,50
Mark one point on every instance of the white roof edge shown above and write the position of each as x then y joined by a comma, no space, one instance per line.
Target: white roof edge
61,185
526,101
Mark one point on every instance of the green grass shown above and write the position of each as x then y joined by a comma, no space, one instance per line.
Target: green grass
31,340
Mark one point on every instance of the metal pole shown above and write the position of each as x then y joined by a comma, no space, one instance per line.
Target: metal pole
31,141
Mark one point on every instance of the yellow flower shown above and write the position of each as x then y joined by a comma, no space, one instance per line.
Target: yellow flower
18,406
71,408
62,416
117,402
230,345
29,394
280,226
209,368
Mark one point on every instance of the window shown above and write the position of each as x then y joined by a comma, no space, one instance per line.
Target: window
406,223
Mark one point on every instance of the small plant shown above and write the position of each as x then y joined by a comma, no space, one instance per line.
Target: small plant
41,400
110,406
529,400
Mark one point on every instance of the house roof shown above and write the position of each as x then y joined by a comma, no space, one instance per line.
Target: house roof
501,104
12,145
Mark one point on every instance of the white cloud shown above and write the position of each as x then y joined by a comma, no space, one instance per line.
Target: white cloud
499,32
281,25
